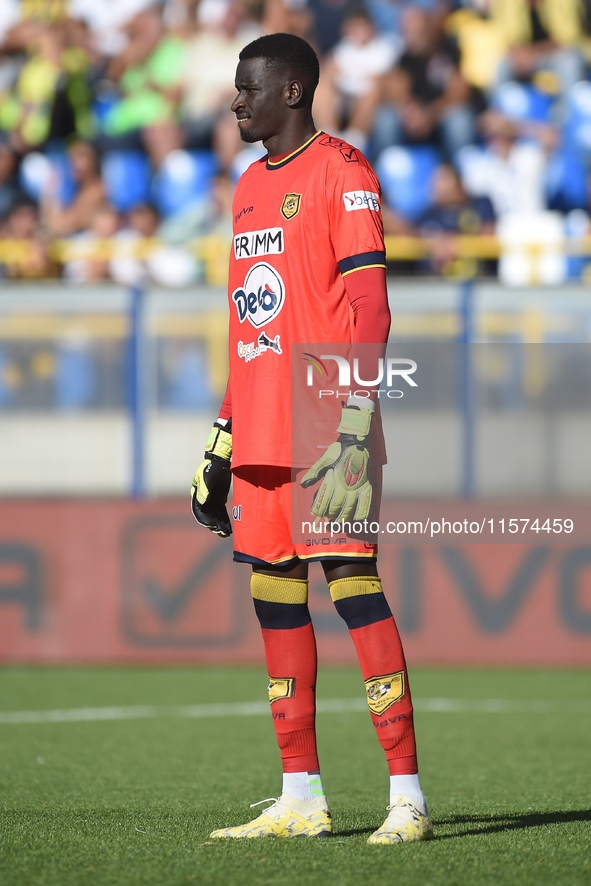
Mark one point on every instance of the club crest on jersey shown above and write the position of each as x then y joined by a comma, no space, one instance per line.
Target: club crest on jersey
291,205
281,687
383,692
261,297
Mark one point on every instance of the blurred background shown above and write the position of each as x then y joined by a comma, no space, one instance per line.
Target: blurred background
118,160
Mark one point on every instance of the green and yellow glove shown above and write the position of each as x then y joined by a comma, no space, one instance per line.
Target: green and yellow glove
345,492
211,483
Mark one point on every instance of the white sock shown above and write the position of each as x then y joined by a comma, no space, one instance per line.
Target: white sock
408,786
302,785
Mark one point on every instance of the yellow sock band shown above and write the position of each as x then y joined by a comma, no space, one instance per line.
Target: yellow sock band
354,587
276,589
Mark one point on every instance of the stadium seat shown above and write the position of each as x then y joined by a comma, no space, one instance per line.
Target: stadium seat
406,174
184,177
567,181
577,130
37,169
522,101
126,175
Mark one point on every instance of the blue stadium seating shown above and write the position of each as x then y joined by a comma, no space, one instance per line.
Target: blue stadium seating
36,169
577,129
406,174
127,176
184,177
567,181
522,101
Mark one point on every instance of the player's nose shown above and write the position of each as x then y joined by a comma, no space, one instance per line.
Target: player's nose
237,103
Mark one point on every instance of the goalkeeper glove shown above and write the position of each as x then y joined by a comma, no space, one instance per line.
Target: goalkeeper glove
345,491
211,483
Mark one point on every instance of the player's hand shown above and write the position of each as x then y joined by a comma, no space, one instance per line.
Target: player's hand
211,483
345,491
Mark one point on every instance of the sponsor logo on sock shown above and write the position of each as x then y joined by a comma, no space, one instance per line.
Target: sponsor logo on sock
281,687
383,692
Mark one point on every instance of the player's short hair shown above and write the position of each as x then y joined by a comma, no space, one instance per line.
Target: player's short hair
288,54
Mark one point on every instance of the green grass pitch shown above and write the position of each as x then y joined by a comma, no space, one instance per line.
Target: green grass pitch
130,802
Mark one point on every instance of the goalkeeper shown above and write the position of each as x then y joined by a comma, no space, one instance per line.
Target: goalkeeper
307,265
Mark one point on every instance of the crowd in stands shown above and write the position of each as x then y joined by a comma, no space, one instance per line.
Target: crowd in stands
115,125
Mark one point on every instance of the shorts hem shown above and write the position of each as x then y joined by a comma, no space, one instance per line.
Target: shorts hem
351,558
239,557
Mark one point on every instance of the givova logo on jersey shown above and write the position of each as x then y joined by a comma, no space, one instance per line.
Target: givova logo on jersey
261,297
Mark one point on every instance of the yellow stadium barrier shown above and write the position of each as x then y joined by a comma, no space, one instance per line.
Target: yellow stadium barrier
213,251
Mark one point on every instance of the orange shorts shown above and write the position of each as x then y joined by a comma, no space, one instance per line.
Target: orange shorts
271,520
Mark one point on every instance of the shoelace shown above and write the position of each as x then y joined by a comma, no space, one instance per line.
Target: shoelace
393,806
268,800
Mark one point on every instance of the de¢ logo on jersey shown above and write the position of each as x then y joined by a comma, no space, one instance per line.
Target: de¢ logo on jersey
361,200
261,297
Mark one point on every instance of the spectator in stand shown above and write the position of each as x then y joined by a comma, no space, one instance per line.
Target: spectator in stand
208,79
49,98
387,14
107,20
142,222
345,97
23,225
480,41
287,17
149,73
327,18
163,261
9,16
542,35
61,221
425,99
103,226
9,188
452,212
511,169
22,21
26,115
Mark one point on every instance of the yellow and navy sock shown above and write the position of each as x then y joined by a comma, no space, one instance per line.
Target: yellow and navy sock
361,603
281,605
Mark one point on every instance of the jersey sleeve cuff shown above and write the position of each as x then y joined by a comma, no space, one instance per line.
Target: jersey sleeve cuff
362,261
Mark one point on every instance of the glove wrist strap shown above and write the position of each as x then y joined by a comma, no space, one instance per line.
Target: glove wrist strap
355,421
219,445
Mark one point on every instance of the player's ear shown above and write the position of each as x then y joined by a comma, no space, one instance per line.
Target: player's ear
295,93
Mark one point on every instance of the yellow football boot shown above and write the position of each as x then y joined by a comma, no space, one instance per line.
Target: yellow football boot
285,818
407,822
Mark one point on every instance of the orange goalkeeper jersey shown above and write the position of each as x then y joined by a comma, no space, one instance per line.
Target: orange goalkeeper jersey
301,224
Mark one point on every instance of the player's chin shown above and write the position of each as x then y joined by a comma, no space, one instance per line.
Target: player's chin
248,135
